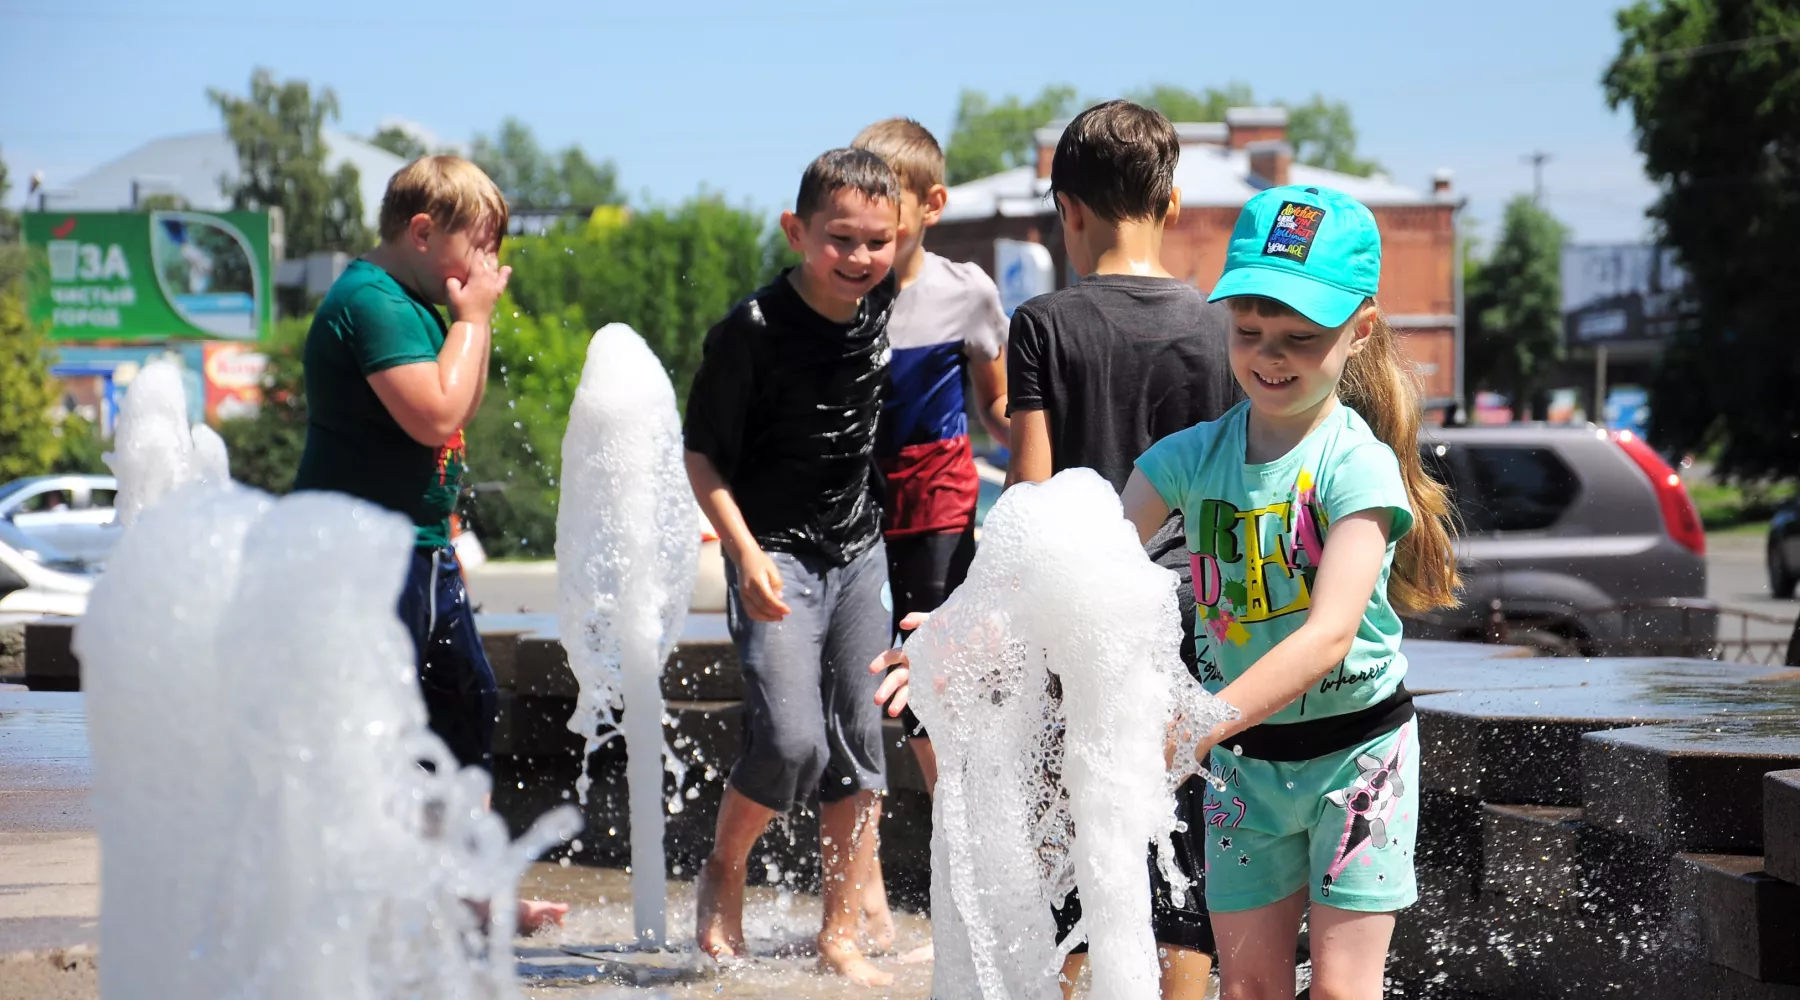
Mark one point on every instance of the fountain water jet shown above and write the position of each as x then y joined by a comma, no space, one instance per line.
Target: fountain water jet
627,550
155,450
1049,681
267,829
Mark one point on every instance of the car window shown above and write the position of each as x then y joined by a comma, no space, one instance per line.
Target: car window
102,498
44,503
1513,488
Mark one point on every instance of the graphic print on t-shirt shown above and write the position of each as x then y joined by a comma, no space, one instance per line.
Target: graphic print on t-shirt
1253,566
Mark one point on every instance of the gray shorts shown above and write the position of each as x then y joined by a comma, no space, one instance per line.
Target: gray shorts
812,722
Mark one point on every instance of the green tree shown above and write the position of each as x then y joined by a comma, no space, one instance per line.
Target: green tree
1714,90
265,449
1324,135
1514,302
279,133
28,442
9,219
531,176
990,137
1179,104
399,142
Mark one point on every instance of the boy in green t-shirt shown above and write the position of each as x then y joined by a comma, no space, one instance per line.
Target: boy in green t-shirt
389,388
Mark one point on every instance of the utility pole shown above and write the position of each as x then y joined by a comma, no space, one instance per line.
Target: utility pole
1537,161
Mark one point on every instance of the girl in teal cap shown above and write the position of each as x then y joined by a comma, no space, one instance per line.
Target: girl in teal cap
1311,523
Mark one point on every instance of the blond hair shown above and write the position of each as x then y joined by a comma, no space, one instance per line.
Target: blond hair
909,148
455,193
1383,386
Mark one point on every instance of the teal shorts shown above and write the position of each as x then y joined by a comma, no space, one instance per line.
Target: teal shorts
1341,826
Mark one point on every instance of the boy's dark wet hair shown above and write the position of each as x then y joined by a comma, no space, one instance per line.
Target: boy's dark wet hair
840,169
1118,159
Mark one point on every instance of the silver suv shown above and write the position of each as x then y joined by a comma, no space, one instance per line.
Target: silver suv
1574,539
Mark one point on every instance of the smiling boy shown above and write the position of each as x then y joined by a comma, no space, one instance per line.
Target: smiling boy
780,436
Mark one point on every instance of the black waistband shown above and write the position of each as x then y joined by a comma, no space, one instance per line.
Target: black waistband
1318,737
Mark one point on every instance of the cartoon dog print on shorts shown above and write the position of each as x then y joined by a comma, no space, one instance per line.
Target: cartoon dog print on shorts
1368,805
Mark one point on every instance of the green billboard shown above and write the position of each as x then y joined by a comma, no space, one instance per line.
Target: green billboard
135,276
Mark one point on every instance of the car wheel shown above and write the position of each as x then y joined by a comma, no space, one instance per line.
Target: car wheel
1781,575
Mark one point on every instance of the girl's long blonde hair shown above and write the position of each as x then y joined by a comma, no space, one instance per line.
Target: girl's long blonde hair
1383,386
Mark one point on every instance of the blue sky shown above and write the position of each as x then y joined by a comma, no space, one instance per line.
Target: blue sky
735,97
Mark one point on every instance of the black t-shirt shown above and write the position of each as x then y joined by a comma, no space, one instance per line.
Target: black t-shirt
785,404
1117,363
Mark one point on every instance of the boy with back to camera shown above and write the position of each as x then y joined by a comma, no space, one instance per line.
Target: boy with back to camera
946,321
780,434
389,388
1097,373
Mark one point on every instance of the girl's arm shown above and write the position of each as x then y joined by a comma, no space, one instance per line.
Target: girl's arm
1144,507
1348,573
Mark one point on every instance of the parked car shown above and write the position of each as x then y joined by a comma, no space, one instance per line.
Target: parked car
1784,550
1575,540
72,514
37,579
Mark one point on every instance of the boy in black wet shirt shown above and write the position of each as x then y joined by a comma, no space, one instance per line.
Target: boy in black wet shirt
780,432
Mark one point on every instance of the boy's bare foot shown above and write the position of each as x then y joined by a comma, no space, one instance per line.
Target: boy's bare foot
842,958
918,956
719,912
536,914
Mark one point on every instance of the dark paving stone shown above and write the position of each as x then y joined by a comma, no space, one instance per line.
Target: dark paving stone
1781,825
50,662
704,666
1732,914
1462,670
1532,852
1689,786
1524,746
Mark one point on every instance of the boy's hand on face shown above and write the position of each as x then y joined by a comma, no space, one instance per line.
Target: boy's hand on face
761,588
473,301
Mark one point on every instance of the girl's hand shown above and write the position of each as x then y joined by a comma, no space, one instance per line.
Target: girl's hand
897,685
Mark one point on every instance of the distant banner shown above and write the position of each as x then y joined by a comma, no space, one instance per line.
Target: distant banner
1622,293
151,276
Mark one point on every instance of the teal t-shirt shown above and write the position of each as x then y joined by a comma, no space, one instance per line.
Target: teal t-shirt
369,323
1255,535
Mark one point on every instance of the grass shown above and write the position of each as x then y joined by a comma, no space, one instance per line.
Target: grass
1737,507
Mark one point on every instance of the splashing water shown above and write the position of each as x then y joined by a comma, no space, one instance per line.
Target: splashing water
1049,681
627,550
266,827
155,450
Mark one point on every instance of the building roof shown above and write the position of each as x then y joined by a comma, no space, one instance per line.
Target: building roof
1209,174
190,167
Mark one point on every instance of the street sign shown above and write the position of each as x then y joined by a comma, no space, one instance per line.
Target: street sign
151,276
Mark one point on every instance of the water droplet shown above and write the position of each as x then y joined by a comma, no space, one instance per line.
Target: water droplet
1238,750
575,845
564,861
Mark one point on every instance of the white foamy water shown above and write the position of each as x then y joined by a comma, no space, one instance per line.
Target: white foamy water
627,549
266,829
154,448
1039,792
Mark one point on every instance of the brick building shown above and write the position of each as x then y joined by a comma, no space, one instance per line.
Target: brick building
1222,165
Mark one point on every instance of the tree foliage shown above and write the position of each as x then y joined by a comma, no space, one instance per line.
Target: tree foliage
1714,90
1514,304
265,449
28,441
278,129
399,142
990,136
531,176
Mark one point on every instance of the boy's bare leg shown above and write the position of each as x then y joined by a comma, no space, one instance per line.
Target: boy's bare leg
877,919
719,894
927,757
848,833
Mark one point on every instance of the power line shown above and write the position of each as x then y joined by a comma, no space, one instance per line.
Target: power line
1712,48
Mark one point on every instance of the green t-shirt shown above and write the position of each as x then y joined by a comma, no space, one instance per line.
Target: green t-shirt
370,323
1255,535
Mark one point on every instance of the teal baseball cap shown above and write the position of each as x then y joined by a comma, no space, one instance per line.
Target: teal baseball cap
1312,249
